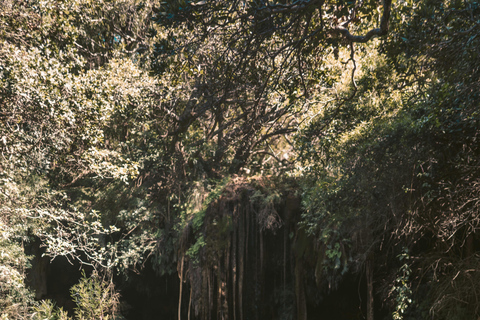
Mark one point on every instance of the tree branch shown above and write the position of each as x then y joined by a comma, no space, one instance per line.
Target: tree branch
377,32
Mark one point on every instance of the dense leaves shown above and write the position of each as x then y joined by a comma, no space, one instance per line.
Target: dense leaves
123,122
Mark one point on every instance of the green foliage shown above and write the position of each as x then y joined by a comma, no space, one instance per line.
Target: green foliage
392,153
46,310
95,298
15,298
402,287
194,251
122,121
196,218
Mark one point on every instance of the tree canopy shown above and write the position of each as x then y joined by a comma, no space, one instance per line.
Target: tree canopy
164,134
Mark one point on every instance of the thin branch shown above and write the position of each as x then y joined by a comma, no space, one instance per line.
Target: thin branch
299,5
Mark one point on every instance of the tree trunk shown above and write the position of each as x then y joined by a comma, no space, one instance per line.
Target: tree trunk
369,276
300,291
241,256
190,303
181,287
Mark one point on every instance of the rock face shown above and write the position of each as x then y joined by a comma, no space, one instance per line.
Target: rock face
245,269
37,274
51,279
256,262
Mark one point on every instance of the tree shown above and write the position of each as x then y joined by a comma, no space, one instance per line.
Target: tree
64,86
420,140
445,49
248,69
